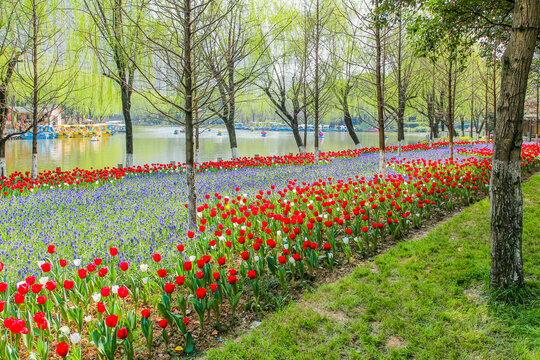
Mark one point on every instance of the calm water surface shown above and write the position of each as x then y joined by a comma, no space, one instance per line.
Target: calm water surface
160,145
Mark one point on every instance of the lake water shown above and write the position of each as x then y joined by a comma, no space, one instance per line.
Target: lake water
161,145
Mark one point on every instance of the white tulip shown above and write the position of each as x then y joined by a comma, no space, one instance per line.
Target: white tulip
192,258
256,258
77,262
143,267
345,240
114,289
88,318
75,338
145,280
96,297
43,280
65,330
39,263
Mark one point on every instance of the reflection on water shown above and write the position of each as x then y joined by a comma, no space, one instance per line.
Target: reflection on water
160,145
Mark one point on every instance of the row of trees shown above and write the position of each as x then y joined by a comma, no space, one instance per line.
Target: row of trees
304,62
193,60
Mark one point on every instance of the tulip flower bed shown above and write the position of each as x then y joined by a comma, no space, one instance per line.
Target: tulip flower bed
118,276
20,183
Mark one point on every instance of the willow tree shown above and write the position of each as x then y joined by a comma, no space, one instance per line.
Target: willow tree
113,35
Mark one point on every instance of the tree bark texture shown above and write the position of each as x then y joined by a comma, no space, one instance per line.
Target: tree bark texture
505,185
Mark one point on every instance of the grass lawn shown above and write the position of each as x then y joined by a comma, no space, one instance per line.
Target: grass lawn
425,299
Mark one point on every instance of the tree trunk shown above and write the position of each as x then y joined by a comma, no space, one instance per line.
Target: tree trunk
401,94
232,137
35,90
188,83
297,137
126,111
505,186
380,101
229,123
316,92
347,118
486,111
537,109
3,168
450,111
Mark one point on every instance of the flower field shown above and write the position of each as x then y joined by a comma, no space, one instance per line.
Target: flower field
103,262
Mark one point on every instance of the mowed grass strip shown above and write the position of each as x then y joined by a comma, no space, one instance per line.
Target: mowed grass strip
424,299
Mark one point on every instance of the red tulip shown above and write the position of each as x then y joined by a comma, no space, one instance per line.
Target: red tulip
105,291
252,274
111,320
188,266
179,280
102,272
19,298
145,313
62,262
100,307
122,333
123,292
163,323
156,257
62,349
46,267
232,279
113,251
51,249
124,266
41,299
168,288
50,285
213,287
201,293
68,284
162,273
82,273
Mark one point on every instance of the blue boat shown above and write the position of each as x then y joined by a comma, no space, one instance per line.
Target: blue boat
43,132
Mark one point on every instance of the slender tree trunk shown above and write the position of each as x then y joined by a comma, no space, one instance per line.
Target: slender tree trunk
3,167
347,119
494,86
197,136
188,84
35,90
450,110
232,112
297,137
505,186
126,111
401,93
380,101
486,110
316,93
537,109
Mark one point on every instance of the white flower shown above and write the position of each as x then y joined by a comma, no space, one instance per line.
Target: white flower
39,263
192,258
65,330
75,338
145,280
243,227
77,262
346,240
114,289
330,255
20,283
279,233
291,260
88,318
256,258
43,280
199,214
286,246
221,238
143,267
96,297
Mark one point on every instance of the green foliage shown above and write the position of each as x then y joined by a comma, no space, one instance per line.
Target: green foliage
424,299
